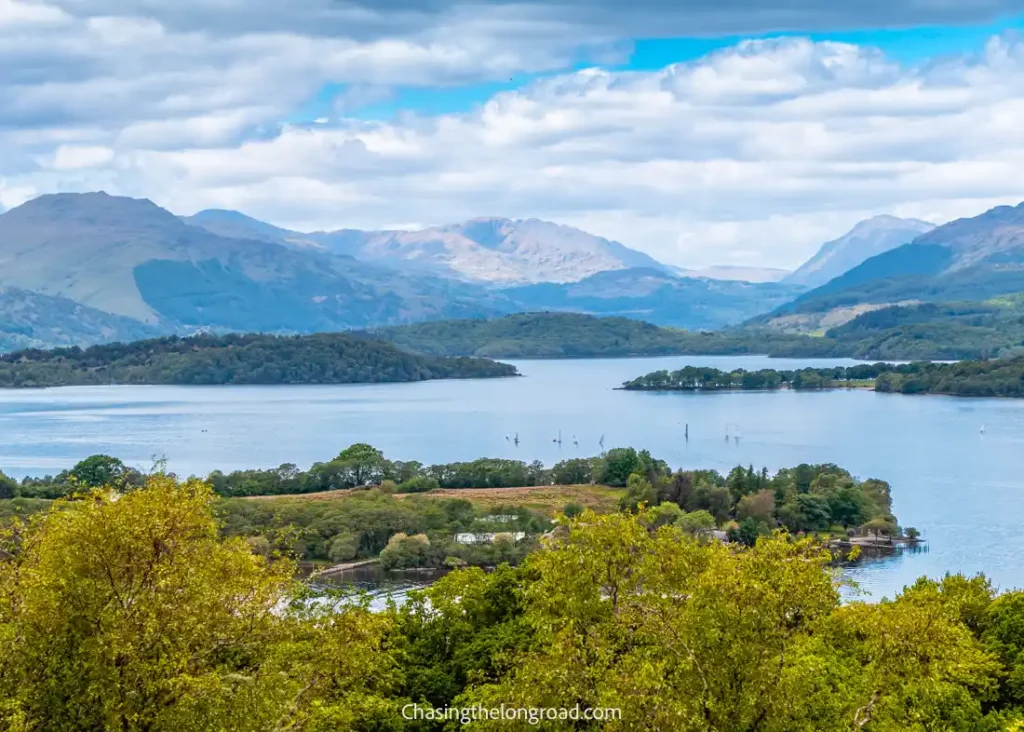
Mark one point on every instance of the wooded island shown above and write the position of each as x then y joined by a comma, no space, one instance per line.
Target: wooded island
996,378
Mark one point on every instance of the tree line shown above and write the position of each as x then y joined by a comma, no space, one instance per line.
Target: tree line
325,358
999,377
746,502
128,611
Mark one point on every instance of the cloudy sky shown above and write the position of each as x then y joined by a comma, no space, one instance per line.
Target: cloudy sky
734,132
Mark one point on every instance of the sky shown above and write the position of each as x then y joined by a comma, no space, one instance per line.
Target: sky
741,132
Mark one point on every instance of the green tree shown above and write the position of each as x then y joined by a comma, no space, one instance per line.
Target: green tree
666,513
638,491
99,470
575,471
343,547
746,532
8,487
696,522
618,465
758,506
407,552
361,464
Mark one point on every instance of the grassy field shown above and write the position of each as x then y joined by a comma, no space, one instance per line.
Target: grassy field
548,499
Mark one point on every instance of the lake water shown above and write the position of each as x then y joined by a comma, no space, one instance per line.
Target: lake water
962,489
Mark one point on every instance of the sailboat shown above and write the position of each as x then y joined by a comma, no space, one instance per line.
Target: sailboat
516,440
601,442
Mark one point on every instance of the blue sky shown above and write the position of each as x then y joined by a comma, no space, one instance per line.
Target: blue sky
911,46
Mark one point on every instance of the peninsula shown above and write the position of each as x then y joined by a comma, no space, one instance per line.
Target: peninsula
325,358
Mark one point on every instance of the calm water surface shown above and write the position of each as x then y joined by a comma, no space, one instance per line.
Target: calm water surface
963,489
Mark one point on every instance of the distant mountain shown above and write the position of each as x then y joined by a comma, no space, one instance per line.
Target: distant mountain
108,263
485,250
33,320
235,225
867,239
132,258
732,272
657,297
969,259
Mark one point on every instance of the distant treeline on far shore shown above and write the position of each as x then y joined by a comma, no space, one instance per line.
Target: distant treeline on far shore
997,378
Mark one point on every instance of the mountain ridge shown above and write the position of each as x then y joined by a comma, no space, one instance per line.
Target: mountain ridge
489,249
866,239
969,259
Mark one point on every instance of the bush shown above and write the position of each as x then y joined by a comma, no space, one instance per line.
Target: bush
419,484
696,522
343,547
573,509
407,552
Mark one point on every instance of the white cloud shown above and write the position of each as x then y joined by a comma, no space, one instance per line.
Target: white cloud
752,155
74,157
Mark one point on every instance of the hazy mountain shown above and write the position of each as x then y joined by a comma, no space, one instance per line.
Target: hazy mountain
132,258
657,297
493,250
236,225
735,273
969,259
867,239
30,320
97,255
485,250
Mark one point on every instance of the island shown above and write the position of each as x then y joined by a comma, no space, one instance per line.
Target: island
995,378
325,358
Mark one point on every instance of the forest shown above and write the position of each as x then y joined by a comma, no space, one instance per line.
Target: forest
326,358
575,335
935,331
363,501
996,378
130,610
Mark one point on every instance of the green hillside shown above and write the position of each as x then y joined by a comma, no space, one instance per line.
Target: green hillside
573,335
238,359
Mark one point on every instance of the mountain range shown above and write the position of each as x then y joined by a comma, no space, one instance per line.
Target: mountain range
494,251
84,268
133,268
970,259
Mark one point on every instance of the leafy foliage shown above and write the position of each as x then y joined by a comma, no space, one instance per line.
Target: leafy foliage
126,611
329,358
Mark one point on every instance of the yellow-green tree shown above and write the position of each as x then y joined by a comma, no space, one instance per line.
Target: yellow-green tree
684,636
128,612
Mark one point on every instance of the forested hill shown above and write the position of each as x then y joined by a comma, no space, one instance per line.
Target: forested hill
238,359
934,332
574,335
